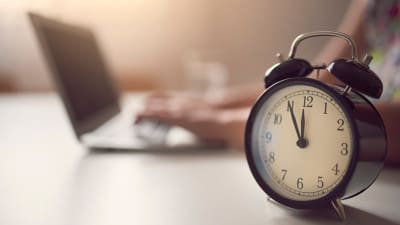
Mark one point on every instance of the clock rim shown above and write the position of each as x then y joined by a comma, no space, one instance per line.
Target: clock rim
343,102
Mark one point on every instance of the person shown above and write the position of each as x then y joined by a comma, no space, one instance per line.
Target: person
224,120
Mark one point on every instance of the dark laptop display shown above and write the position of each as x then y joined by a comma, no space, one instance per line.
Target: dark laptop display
81,75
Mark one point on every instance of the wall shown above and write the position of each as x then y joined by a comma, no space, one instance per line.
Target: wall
153,41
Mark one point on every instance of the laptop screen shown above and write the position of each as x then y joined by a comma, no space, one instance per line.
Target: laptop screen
81,75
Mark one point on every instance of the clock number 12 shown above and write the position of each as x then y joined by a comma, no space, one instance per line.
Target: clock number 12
308,101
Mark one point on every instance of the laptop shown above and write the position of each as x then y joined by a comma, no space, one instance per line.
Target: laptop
90,98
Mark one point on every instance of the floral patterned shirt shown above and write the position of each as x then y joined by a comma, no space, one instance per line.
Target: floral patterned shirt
383,35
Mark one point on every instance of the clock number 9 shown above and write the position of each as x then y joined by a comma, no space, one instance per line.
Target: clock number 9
268,137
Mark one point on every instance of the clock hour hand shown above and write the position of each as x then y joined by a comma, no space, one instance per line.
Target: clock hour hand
294,120
301,142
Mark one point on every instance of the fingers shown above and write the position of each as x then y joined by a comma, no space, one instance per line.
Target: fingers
162,112
157,99
189,112
159,94
205,124
201,122
162,102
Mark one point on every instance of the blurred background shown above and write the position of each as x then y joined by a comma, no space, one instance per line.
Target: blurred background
166,44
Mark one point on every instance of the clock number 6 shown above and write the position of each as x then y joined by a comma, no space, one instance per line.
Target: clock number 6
300,183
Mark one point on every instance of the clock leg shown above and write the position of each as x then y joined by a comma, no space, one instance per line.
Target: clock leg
269,199
339,209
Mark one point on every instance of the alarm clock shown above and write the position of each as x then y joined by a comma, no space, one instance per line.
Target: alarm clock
311,144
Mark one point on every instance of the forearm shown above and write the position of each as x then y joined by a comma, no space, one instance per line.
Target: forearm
353,24
234,122
241,96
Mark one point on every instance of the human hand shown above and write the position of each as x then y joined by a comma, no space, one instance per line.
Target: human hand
181,101
211,124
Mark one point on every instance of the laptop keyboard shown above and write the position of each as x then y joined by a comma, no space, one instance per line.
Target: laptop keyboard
149,131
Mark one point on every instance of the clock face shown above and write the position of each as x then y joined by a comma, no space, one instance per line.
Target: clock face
301,142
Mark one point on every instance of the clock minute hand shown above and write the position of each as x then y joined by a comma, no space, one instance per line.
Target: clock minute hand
302,125
302,142
294,120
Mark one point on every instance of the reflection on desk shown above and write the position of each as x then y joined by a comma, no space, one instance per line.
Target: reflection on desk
46,177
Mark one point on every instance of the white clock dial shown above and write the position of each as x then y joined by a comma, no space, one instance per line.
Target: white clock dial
305,142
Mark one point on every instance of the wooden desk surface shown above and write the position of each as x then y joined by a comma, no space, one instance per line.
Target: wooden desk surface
46,177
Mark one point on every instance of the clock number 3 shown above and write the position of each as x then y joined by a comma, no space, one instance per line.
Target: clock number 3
344,150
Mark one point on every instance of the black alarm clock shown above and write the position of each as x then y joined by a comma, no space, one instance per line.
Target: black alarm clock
310,144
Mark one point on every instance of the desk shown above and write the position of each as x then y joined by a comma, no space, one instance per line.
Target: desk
46,177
